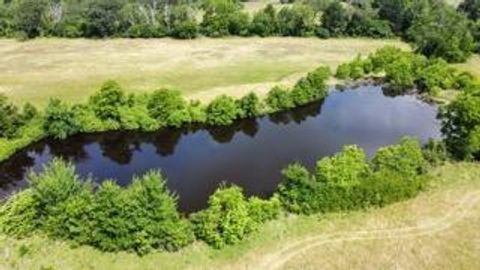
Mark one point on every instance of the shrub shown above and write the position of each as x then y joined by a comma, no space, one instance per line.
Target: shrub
384,56
435,152
249,106
18,216
197,112
222,111
59,120
28,17
460,118
28,112
139,218
106,102
103,18
183,22
264,22
343,71
405,158
227,219
163,103
137,117
279,99
345,169
335,19
437,73
10,119
297,190
298,20
313,87
264,210
400,74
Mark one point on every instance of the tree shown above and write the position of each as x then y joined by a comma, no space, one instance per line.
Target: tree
249,105
59,120
279,99
471,8
165,104
183,23
222,111
103,18
108,100
28,17
264,22
298,20
460,125
443,33
335,19
10,119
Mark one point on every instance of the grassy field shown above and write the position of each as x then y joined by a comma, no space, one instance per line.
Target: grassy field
436,230
39,69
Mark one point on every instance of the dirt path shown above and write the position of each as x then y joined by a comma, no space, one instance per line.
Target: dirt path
278,259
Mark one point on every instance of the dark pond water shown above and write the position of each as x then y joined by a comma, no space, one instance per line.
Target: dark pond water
250,153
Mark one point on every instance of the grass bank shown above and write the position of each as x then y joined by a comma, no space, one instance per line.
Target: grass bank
72,70
446,237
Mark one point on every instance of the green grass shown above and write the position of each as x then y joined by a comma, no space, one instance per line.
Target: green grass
454,248
37,70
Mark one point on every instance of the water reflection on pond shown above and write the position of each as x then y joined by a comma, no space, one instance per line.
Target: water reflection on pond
249,153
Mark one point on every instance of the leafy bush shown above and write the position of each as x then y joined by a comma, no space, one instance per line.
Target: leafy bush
298,20
435,152
335,19
297,190
10,118
227,219
264,22
460,120
343,71
264,210
249,106
279,99
405,158
108,100
346,169
222,111
163,105
59,120
183,22
18,216
400,74
437,73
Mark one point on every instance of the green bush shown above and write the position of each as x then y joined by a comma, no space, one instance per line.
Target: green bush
10,118
297,20
346,169
297,190
312,87
335,19
405,158
400,74
227,219
460,118
435,152
343,71
279,99
222,111
163,103
249,106
137,117
18,216
264,210
59,120
106,102
264,22
437,73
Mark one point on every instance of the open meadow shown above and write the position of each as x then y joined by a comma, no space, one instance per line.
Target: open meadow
37,70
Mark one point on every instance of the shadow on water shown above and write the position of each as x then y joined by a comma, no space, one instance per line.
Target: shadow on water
249,153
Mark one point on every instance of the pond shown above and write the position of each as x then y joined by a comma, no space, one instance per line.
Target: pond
250,153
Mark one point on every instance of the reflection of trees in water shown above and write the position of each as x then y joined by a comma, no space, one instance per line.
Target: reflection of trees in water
297,115
71,149
166,140
225,134
15,169
393,91
118,146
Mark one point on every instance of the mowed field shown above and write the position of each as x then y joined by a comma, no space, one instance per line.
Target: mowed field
37,70
436,230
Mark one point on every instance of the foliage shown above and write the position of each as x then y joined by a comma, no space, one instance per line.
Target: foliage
335,19
298,20
345,169
18,216
297,190
10,118
103,18
405,158
164,104
222,18
108,100
471,8
264,22
279,99
230,217
312,87
443,33
222,111
59,120
28,17
437,73
249,106
343,71
435,152
183,23
460,121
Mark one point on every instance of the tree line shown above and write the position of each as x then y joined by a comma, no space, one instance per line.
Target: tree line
435,28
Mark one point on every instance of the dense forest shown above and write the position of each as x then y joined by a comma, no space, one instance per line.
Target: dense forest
434,27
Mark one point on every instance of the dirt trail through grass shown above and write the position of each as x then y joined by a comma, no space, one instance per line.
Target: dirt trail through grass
278,259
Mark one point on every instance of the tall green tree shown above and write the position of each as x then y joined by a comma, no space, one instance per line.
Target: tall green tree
335,19
28,17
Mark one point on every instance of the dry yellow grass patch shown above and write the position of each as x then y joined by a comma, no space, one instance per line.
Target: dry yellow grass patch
72,69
